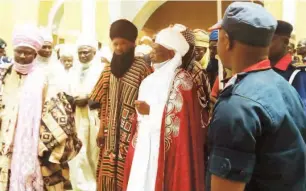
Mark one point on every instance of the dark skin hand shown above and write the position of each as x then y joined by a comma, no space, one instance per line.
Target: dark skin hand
142,107
101,137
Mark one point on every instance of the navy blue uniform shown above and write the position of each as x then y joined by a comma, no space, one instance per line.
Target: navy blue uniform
286,68
257,133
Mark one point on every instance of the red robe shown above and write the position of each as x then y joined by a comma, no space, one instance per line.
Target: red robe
181,156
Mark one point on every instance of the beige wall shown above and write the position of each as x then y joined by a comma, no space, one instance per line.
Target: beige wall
196,14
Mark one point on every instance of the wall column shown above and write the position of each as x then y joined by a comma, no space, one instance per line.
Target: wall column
89,17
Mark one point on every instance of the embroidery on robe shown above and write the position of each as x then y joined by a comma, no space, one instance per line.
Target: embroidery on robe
182,81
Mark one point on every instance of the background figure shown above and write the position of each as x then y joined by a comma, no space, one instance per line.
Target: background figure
144,49
213,67
301,50
202,44
64,68
85,75
3,57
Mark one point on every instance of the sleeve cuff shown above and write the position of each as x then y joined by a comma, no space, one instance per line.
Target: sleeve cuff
231,164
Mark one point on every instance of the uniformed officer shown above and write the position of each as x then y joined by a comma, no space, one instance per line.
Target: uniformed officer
257,134
282,62
3,57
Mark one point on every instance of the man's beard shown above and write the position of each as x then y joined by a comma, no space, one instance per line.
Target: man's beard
120,64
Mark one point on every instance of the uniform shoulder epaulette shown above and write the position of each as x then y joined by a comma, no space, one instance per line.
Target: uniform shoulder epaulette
298,65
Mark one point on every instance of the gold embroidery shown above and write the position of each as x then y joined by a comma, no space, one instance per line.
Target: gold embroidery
182,82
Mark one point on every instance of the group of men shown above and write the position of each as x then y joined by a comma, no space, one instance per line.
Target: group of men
139,123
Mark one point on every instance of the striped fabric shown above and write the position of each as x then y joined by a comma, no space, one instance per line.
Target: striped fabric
117,96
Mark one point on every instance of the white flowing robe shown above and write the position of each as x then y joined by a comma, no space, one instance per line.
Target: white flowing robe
154,90
83,166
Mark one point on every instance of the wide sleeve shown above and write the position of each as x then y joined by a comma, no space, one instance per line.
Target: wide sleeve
58,141
232,138
100,90
183,142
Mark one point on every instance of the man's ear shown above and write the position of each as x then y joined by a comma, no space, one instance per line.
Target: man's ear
286,41
228,41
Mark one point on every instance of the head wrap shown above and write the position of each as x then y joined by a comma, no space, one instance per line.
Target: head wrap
67,50
186,32
146,38
27,35
2,43
85,40
172,40
213,36
47,35
201,38
123,29
143,49
283,28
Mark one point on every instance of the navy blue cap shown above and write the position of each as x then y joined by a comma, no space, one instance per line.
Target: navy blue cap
248,23
213,36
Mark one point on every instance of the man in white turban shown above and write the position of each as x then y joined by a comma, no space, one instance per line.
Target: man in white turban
85,76
166,152
37,133
45,53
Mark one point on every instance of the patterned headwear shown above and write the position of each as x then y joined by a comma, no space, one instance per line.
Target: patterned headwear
27,35
201,38
214,35
186,32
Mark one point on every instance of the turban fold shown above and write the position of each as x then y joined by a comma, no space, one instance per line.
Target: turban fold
201,38
27,35
146,38
172,40
85,40
186,32
123,29
67,50
214,35
47,35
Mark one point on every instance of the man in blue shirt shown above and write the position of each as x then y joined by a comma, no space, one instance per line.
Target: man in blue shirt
282,62
257,134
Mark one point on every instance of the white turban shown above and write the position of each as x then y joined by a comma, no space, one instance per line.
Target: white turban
146,38
67,50
173,40
47,35
179,27
27,35
143,49
85,40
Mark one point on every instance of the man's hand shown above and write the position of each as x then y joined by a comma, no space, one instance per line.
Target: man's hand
142,107
100,138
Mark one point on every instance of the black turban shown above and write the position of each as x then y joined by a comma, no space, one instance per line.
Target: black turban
123,29
283,28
